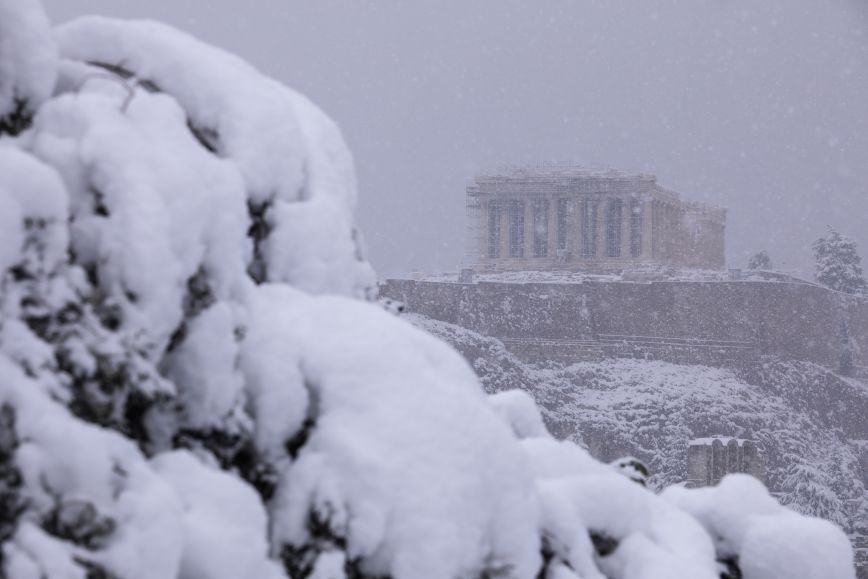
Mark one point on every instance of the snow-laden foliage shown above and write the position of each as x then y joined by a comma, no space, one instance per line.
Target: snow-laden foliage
760,260
298,174
391,453
193,386
747,523
28,63
839,266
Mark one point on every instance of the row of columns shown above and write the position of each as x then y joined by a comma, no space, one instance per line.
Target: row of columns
658,228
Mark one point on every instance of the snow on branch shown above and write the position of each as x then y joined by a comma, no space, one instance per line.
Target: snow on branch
193,385
28,63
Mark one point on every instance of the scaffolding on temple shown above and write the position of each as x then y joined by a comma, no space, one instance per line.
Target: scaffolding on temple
473,230
552,216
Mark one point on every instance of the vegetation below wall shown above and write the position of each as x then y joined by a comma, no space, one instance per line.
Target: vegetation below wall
806,419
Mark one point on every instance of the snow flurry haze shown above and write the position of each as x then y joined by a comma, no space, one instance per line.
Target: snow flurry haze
197,380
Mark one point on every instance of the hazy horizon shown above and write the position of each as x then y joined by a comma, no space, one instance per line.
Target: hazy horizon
762,109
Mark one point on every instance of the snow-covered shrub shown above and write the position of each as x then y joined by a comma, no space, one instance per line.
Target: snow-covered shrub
28,63
391,453
763,539
807,419
760,260
192,384
298,175
838,263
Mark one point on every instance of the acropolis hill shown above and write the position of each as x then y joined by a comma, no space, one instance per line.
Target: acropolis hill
566,264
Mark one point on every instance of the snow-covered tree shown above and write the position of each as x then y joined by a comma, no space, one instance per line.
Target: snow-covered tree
27,63
839,266
809,490
194,383
760,260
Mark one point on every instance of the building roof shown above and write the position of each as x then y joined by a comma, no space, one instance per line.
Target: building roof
553,170
567,179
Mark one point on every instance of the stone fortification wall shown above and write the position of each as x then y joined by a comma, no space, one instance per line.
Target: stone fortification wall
714,323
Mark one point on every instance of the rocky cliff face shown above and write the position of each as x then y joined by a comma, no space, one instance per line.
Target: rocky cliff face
715,323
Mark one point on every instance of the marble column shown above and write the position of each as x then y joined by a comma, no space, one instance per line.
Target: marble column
528,227
600,232
646,228
553,228
488,211
626,214
575,228
504,231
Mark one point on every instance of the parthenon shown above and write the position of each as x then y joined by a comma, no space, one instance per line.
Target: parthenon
574,219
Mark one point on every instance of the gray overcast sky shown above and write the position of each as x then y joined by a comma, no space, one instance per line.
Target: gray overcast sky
757,105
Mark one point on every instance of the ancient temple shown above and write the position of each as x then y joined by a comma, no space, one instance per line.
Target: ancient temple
549,218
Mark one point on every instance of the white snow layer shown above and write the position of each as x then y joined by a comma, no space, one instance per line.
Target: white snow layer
33,203
387,458
28,57
68,466
767,540
224,521
405,458
292,157
150,206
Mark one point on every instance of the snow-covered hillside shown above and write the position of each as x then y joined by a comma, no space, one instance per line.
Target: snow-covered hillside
194,385
810,422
